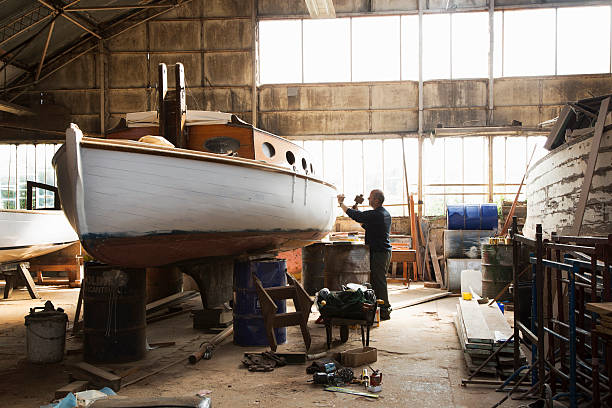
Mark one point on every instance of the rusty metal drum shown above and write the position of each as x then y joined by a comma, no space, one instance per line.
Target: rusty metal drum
346,263
313,265
496,270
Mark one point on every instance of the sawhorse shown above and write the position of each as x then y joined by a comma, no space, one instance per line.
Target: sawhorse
11,271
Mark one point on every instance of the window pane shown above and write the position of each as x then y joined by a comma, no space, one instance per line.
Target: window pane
433,158
332,162
499,159
410,48
394,186
529,42
434,205
280,51
372,157
327,51
453,160
498,51
470,45
411,148
474,161
353,169
436,46
376,45
576,54
540,152
516,152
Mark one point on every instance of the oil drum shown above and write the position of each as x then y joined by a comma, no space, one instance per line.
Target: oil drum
313,268
346,263
496,269
114,314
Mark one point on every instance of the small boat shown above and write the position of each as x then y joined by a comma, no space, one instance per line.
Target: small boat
26,234
234,190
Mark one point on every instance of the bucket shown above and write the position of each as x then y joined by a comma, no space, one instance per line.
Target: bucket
114,315
46,336
249,327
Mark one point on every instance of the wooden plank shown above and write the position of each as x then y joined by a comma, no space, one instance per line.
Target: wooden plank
476,328
495,320
557,134
420,300
588,173
95,375
73,387
604,308
414,234
436,264
158,304
30,285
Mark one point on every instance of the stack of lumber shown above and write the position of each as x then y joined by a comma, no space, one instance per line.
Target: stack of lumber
481,329
605,316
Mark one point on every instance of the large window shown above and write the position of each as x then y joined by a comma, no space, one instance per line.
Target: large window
542,41
22,163
376,48
455,169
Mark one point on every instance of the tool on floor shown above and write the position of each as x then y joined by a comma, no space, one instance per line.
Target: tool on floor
349,391
375,381
263,362
207,348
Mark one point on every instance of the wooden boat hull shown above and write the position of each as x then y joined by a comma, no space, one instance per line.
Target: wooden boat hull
27,234
554,187
138,205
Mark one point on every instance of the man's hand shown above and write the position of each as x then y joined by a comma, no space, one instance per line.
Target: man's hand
340,199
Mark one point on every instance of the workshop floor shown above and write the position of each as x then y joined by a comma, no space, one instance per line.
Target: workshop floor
418,353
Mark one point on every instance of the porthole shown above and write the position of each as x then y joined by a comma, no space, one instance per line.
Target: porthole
304,164
222,145
268,149
290,157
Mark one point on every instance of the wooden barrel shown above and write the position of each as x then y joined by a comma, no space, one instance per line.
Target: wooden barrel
114,313
496,270
346,263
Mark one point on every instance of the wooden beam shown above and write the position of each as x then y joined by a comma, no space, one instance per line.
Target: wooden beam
15,109
588,173
557,133
436,264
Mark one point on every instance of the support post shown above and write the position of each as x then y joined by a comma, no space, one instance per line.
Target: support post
540,310
515,294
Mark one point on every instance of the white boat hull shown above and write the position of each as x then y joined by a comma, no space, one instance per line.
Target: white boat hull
135,205
26,234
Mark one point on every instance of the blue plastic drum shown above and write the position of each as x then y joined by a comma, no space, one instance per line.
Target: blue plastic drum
249,328
472,216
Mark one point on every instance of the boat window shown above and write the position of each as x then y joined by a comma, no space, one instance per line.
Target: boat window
290,157
304,164
222,145
268,149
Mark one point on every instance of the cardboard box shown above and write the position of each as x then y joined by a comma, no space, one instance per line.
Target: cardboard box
358,357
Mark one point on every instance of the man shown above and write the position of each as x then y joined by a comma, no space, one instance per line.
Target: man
377,225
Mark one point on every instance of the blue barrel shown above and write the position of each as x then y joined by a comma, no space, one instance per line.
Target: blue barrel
471,216
249,328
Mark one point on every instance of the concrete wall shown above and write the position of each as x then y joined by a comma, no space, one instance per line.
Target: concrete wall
213,39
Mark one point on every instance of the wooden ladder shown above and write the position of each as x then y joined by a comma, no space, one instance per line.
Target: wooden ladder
272,320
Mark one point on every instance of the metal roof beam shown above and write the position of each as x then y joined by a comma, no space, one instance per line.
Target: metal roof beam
72,20
23,23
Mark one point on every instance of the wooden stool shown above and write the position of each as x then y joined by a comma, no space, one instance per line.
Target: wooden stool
272,320
344,331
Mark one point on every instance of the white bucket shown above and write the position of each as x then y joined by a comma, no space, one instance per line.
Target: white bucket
46,336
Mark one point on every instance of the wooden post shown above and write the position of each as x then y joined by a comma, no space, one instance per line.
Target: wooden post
413,234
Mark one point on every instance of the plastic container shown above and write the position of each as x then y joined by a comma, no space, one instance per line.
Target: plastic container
471,281
46,336
249,328
501,306
454,268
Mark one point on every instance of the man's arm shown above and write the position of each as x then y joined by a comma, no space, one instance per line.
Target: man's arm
356,215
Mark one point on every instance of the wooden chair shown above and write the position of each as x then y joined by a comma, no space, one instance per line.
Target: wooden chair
272,320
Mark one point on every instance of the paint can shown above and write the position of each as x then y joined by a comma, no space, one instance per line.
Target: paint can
46,334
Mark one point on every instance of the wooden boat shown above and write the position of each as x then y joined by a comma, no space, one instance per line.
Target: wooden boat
26,234
239,190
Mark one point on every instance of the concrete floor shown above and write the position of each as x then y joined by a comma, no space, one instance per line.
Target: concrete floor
418,353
